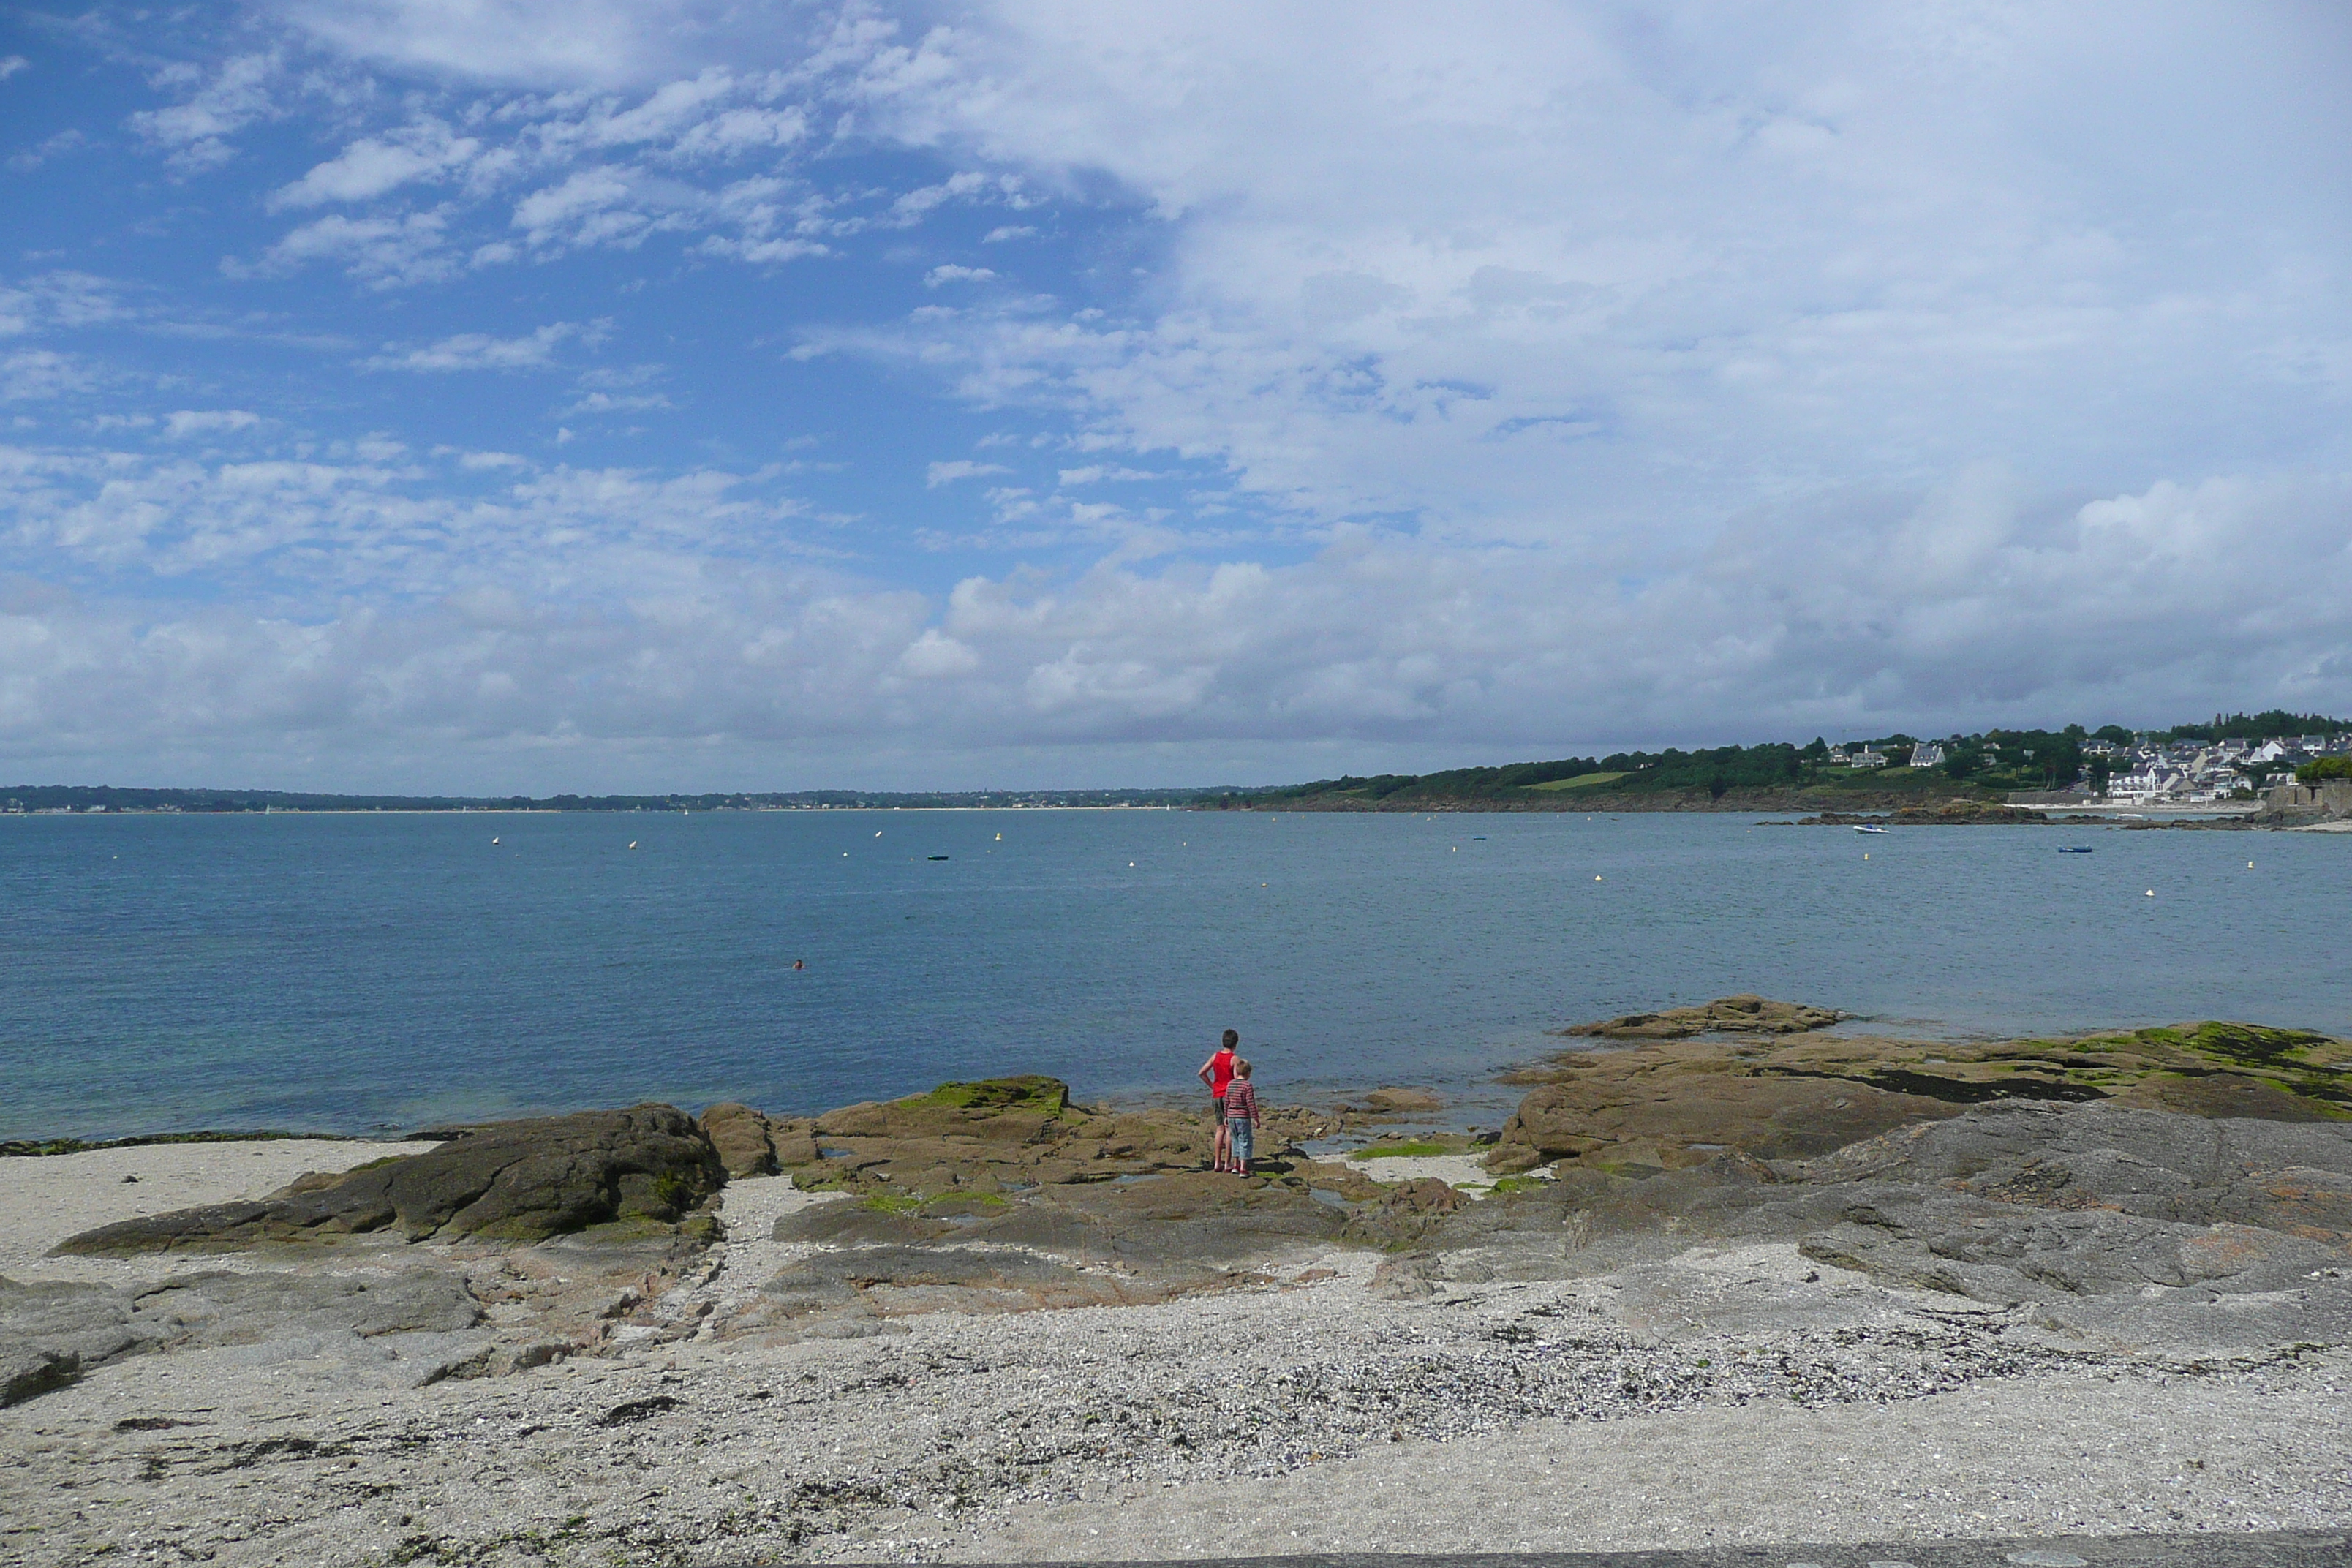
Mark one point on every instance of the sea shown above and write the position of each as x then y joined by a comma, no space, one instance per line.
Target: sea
373,973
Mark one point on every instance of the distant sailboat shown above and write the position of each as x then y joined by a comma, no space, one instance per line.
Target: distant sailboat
1868,828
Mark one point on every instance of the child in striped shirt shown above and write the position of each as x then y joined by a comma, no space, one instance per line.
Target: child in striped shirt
1241,1117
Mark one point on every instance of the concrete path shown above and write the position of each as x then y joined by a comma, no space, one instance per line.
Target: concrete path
2291,1550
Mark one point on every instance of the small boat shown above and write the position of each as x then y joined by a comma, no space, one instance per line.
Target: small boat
1868,828
934,857
2073,850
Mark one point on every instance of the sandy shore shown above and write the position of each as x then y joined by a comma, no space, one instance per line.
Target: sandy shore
45,1200
1727,1395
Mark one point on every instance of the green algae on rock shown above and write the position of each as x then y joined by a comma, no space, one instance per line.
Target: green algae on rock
1680,1101
1742,1014
641,1169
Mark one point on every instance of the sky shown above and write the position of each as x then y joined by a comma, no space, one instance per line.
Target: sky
480,396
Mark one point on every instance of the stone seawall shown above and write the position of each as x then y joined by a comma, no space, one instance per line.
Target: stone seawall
2329,797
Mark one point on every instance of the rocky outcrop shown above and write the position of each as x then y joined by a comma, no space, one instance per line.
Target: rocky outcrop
1197,1219
1400,1101
512,1181
1681,1102
2139,1227
994,1136
1743,1015
1949,814
51,1333
751,1144
1084,1243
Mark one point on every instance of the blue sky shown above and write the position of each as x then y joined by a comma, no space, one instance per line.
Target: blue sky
459,394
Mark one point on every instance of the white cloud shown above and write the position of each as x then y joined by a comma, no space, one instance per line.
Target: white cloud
1106,473
187,422
11,65
616,403
195,131
1540,374
592,206
372,166
1972,603
1003,232
481,351
34,375
1460,270
49,147
382,252
934,657
964,186
53,302
960,469
600,42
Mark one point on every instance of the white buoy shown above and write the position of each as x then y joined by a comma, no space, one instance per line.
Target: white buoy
878,832
2151,892
1596,878
632,844
1000,839
1130,865
493,841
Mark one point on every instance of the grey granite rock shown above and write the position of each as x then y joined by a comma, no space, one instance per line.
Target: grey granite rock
2147,1230
512,1180
50,1332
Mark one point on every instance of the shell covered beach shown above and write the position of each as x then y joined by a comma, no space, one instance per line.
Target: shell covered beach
988,1323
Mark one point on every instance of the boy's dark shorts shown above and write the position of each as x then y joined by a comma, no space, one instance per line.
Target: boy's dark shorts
1219,1101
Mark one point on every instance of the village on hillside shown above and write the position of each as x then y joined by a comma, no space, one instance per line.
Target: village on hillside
2150,769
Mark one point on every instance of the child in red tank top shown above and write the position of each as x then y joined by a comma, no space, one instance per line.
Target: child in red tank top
1217,1072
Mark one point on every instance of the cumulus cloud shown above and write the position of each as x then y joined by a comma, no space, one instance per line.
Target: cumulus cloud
1456,270
481,351
602,43
382,252
1106,473
1544,376
601,205
2036,613
222,101
55,301
960,469
49,147
952,273
374,164
36,375
186,422
359,519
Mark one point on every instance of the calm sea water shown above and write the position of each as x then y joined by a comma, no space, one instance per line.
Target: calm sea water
366,972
